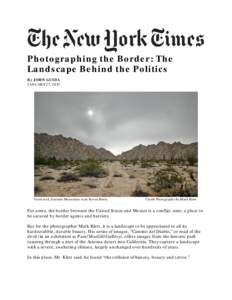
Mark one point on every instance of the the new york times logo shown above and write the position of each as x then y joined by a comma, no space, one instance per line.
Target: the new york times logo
112,39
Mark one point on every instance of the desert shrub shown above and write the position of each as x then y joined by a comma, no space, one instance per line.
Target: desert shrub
74,163
179,192
145,164
52,162
139,193
192,160
190,191
37,189
125,163
165,179
117,175
132,176
69,177
192,174
47,178
92,169
173,192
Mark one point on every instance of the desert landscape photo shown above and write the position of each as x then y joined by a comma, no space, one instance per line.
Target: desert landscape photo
116,144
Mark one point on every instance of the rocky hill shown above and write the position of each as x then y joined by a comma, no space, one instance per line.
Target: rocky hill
61,147
161,151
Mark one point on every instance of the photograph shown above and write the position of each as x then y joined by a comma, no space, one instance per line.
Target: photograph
116,144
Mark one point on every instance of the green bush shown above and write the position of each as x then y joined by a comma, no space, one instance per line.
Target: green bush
165,179
179,192
92,169
52,162
169,183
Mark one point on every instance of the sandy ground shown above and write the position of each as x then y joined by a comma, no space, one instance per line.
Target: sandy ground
132,177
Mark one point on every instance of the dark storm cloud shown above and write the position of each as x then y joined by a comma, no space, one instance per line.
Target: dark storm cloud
120,120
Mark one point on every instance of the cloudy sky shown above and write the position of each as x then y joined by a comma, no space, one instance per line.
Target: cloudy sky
118,121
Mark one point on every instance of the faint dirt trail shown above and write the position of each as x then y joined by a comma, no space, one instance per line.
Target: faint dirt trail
116,185
116,168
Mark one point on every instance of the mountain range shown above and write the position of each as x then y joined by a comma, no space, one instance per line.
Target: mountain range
62,147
